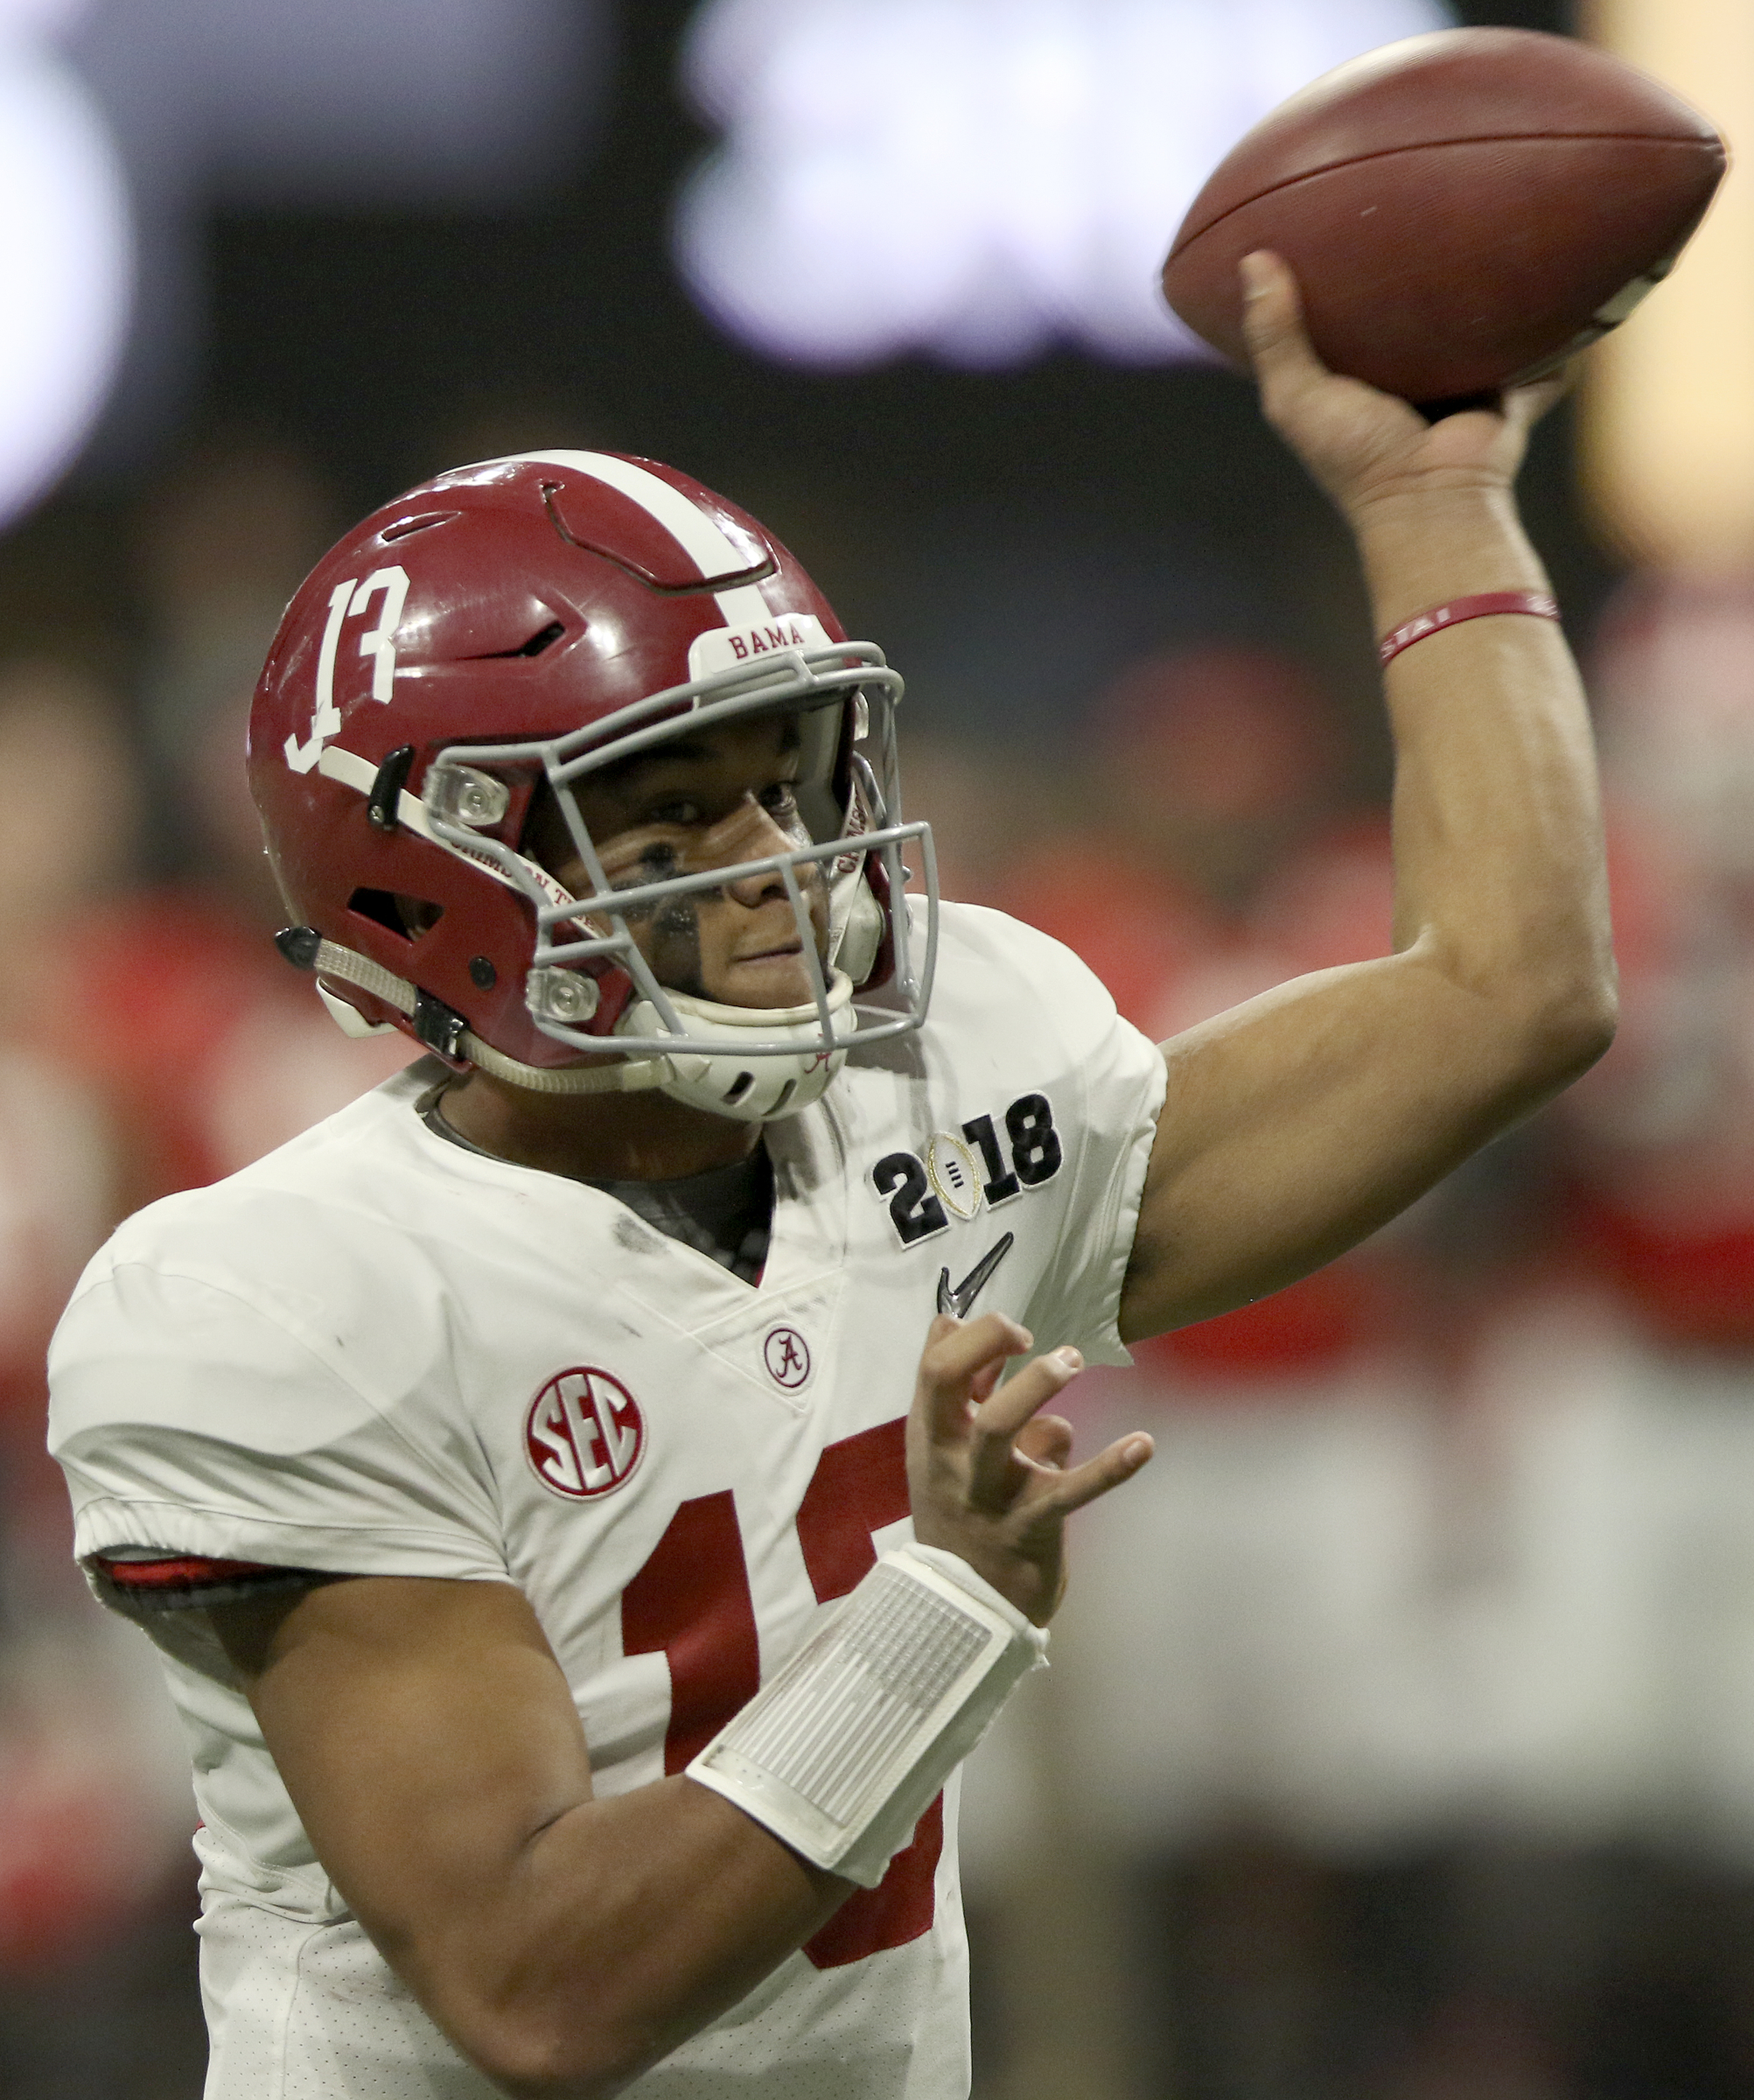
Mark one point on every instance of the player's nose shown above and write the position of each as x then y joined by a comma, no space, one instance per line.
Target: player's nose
754,835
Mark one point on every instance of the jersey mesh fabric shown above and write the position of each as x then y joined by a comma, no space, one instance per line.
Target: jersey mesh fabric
376,1353
725,1214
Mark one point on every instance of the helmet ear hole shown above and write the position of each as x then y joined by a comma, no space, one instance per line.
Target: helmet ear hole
417,915
405,917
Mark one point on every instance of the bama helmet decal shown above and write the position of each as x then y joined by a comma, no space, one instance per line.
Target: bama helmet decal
584,1434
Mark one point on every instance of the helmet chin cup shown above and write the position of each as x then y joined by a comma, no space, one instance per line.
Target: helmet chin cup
348,1019
759,1086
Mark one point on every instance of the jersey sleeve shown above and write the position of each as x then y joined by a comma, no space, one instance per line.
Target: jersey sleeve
196,1423
1112,1081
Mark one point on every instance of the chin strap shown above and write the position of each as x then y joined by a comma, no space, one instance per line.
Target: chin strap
443,1030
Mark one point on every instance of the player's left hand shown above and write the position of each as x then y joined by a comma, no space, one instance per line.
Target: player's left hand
986,1468
1361,444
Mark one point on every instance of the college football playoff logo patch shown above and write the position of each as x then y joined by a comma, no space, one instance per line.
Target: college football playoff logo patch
951,1168
584,1433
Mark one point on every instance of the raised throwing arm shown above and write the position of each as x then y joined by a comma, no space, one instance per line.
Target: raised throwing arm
1297,1124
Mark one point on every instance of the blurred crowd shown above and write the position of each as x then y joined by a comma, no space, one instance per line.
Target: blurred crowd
152,1040
1401,1740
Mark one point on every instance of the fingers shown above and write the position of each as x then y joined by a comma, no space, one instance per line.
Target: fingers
1107,1470
1004,1430
1525,406
1045,1441
961,1364
1272,326
994,1476
1011,1447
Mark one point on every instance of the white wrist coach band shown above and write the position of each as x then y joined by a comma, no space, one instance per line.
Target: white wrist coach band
841,1752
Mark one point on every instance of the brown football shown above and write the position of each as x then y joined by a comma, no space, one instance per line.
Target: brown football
1462,210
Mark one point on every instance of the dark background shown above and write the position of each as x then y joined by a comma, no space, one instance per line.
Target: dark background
1010,537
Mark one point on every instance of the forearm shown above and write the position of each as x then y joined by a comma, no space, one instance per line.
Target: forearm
1499,878
620,1929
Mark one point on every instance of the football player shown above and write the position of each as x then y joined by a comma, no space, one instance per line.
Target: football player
577,1629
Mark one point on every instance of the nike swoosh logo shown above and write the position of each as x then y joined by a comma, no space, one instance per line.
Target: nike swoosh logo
959,1300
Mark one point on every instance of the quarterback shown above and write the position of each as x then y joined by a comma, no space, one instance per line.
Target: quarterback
578,1491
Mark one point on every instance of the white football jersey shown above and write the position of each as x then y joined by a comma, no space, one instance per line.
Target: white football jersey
374,1351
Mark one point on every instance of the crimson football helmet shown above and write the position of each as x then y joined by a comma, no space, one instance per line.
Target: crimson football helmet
530,621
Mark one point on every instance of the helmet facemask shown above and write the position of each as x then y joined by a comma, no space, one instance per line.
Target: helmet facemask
592,987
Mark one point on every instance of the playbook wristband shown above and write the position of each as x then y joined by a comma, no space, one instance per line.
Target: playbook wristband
1538,604
843,1752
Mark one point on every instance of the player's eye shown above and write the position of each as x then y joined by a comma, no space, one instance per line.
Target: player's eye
781,798
677,810
630,863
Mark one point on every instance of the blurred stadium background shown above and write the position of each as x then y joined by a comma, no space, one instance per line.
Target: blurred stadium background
1401,1743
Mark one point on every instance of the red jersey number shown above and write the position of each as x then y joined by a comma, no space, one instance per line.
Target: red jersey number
691,1603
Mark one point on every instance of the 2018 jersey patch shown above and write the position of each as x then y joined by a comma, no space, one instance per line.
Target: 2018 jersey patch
962,1175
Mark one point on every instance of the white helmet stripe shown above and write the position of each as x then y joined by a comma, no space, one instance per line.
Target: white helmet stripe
712,552
744,606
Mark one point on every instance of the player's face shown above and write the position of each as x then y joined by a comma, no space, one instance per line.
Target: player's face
708,800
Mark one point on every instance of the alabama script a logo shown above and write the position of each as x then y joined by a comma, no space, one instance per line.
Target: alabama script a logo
584,1433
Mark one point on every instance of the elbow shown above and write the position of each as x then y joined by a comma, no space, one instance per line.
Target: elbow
545,2021
528,2067
1543,1012
1566,1027
563,2058
1603,1023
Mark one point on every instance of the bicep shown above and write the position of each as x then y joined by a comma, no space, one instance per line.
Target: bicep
425,1734
1296,1124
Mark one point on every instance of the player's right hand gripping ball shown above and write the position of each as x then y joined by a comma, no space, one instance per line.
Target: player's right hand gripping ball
1463,210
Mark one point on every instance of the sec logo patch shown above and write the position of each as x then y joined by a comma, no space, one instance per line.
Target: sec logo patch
584,1433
